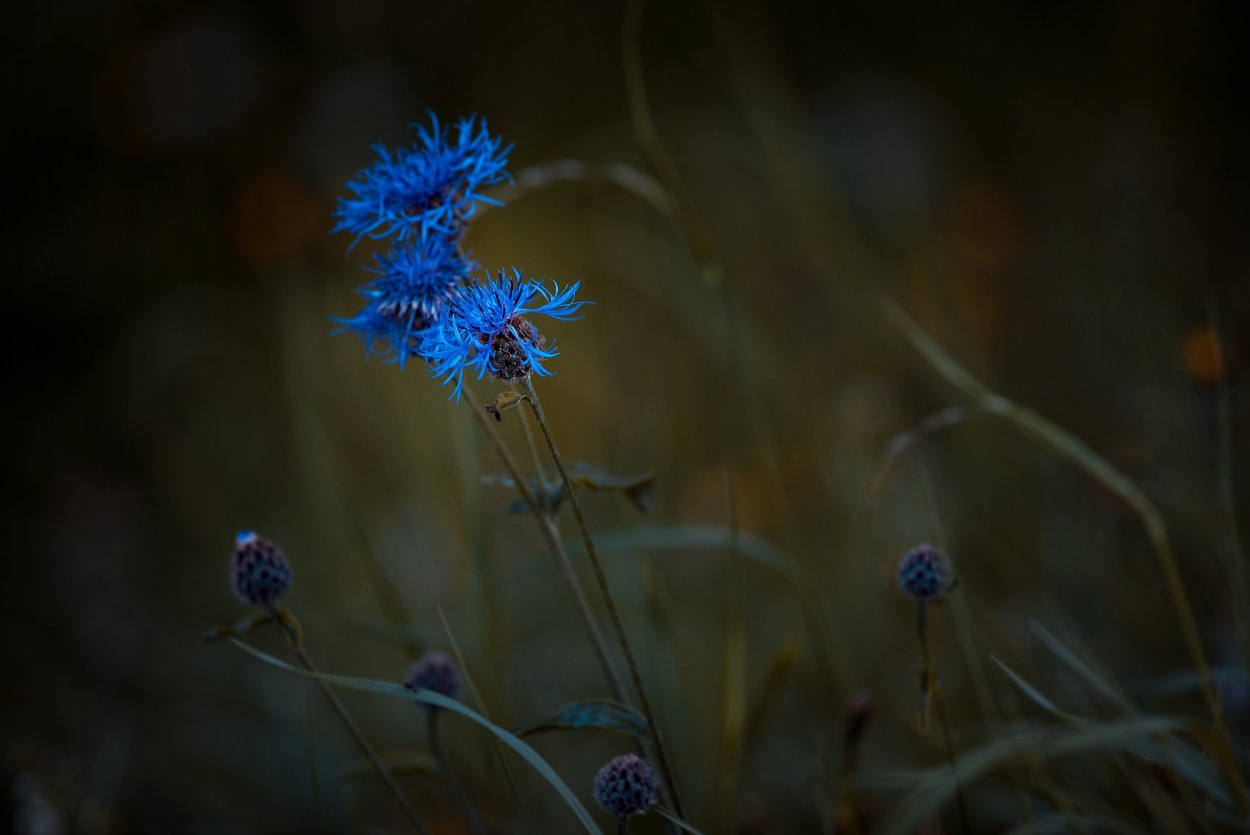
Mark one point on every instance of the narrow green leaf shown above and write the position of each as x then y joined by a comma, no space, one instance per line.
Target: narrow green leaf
1028,689
603,714
429,697
672,818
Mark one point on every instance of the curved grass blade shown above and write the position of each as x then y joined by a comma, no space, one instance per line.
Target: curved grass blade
673,819
1029,690
603,714
428,697
1188,763
936,787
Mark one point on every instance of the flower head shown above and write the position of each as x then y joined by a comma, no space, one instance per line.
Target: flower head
431,186
436,672
484,328
406,297
924,573
259,572
626,785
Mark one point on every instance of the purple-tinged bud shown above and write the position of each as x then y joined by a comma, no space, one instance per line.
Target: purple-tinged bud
259,573
436,672
626,785
924,574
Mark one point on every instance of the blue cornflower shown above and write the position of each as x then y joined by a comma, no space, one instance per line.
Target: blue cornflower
430,186
483,327
413,282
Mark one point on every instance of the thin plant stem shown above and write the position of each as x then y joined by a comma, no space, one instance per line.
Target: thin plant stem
457,791
539,478
297,646
552,535
481,708
609,601
933,691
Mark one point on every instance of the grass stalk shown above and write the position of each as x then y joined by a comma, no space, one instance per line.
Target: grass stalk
471,818
931,690
293,639
609,601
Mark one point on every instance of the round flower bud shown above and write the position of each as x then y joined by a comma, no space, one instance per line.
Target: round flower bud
259,573
626,785
924,573
436,672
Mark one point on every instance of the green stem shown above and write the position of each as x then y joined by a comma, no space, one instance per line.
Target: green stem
609,601
535,459
551,534
457,791
352,728
933,691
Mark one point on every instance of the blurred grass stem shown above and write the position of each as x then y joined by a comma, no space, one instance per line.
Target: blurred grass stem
291,632
601,578
550,533
931,691
457,791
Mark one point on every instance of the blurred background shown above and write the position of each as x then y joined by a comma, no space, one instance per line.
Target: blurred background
1056,193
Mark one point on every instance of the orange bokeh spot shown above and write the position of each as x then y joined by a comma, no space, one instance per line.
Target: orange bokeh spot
1204,359
272,217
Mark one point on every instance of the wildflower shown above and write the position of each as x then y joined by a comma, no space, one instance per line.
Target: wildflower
484,328
436,672
406,297
259,572
626,785
924,573
431,186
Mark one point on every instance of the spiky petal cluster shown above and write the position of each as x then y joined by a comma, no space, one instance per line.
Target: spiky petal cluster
626,785
924,573
407,294
431,186
259,572
484,329
436,672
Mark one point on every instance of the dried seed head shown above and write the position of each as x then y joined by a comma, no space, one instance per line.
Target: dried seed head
508,358
924,573
259,573
626,785
436,672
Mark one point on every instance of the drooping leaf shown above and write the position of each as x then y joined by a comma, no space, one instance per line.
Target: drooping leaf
387,688
602,714
639,489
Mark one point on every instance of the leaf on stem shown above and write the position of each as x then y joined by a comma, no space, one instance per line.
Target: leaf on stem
603,714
